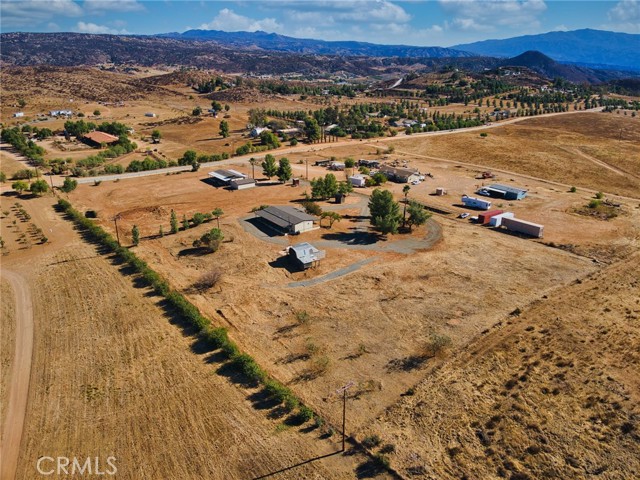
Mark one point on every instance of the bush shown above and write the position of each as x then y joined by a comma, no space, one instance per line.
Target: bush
599,195
573,190
371,441
208,279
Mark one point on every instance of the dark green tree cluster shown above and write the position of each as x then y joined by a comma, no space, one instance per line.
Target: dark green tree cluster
385,212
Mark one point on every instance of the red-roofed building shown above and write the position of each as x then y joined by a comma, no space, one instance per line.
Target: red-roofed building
97,139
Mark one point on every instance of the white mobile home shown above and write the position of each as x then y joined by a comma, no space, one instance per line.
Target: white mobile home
358,181
473,202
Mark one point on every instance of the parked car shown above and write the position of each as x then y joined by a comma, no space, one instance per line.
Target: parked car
483,192
415,182
463,215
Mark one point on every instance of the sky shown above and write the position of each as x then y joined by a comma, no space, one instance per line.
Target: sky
409,22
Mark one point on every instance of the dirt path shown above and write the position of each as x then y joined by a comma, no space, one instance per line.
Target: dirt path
600,163
335,274
20,374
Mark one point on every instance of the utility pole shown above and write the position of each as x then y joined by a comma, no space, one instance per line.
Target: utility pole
343,390
307,162
115,221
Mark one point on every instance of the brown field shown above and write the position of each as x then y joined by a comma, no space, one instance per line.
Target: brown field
140,387
537,382
593,150
7,315
552,393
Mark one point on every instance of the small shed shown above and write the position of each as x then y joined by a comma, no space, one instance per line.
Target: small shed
18,114
358,181
306,255
150,114
242,183
440,191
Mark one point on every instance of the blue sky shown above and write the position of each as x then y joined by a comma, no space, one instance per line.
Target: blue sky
412,22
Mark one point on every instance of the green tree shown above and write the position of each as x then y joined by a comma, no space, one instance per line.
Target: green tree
349,163
217,106
258,117
312,208
345,188
196,112
227,107
269,167
217,213
69,185
20,186
188,158
417,215
96,112
210,240
135,235
312,129
331,216
198,219
156,135
224,129
185,223
269,139
284,170
385,212
39,187
174,222
3,177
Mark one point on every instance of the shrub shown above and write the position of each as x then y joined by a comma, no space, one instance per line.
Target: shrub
248,366
371,441
599,195
573,190
208,279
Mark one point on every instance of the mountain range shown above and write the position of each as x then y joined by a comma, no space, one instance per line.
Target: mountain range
590,48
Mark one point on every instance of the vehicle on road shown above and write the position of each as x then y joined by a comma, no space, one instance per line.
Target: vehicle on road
463,215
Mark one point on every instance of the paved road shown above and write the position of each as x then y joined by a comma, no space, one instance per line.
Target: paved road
319,147
330,276
20,375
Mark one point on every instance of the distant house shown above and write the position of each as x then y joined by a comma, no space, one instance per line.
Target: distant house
400,175
256,131
289,131
242,183
504,191
97,139
306,255
287,219
60,113
18,114
150,114
225,177
358,180
478,203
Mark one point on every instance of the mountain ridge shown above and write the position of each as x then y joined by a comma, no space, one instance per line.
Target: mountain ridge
585,46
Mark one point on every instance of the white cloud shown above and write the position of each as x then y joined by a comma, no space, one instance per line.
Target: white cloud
22,13
625,16
475,15
94,6
88,27
230,21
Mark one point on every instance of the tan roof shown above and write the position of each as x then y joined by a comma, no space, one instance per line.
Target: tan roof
101,137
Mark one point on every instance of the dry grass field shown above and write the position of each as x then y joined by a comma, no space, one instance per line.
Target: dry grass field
593,150
114,374
7,341
473,353
551,393
370,326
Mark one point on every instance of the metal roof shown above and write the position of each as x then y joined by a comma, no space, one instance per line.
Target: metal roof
284,216
242,181
227,175
505,188
307,253
101,137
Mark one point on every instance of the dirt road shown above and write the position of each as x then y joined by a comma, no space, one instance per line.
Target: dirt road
20,374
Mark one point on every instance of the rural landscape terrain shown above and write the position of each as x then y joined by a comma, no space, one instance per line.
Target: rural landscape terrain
466,304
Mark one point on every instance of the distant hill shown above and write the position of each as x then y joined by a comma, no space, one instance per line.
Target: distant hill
282,43
592,48
549,68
